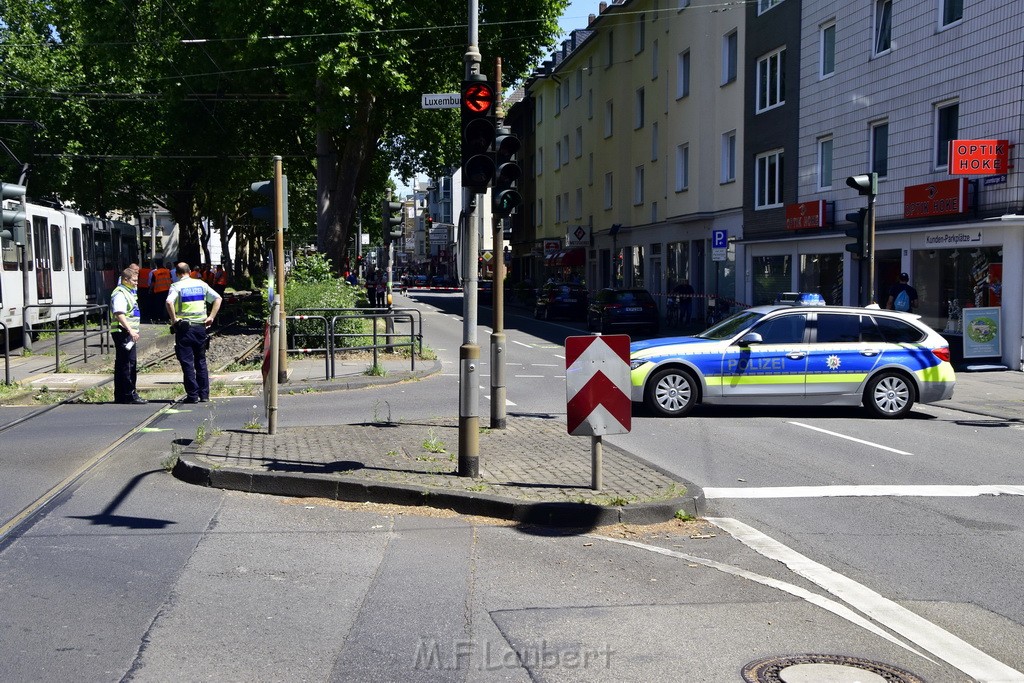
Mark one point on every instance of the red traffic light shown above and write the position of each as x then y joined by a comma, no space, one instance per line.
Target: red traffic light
477,97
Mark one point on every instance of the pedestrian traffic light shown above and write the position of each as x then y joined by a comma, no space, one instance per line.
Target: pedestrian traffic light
477,107
865,184
507,172
428,223
392,221
267,213
12,221
859,247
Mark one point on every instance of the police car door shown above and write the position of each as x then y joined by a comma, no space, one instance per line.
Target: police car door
772,367
845,347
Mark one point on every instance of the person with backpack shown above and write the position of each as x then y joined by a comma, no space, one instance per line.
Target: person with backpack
902,297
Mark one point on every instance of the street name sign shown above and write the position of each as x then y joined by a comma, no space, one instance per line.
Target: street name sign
597,385
441,100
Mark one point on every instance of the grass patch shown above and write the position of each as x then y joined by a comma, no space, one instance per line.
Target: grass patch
9,391
376,371
254,420
244,367
684,516
47,397
103,394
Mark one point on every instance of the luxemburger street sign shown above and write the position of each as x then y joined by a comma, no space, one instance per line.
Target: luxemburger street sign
441,100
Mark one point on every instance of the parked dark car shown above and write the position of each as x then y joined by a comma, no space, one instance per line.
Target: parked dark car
485,292
561,300
623,310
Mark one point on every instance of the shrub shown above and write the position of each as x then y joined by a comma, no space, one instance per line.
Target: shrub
310,269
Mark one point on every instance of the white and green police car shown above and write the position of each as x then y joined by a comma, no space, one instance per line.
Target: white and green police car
798,355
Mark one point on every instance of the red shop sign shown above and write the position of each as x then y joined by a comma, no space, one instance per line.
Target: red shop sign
979,157
943,198
805,215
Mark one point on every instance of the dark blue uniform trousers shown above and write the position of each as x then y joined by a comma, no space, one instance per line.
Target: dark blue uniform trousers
190,347
125,366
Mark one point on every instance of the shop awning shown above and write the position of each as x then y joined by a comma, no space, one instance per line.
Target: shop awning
575,257
554,259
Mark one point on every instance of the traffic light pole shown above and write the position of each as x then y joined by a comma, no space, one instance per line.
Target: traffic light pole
469,352
870,228
282,359
498,388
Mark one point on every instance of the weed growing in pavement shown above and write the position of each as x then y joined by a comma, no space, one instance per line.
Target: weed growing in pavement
393,453
478,488
254,420
432,444
684,516
171,460
245,366
9,390
48,397
168,394
426,458
63,366
26,353
376,371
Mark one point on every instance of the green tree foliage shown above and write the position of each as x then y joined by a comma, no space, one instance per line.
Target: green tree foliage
185,103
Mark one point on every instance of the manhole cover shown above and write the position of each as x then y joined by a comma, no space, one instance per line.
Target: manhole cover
824,669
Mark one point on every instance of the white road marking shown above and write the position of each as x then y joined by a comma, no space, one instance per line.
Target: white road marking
529,376
522,344
866,490
545,365
850,438
832,606
916,629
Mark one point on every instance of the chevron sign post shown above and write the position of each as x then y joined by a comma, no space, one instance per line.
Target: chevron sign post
597,391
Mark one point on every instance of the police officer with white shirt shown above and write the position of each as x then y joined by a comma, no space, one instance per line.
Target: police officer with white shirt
124,306
186,307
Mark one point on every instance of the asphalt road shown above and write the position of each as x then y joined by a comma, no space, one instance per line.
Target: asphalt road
132,575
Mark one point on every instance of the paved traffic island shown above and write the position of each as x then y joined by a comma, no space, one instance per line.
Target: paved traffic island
531,472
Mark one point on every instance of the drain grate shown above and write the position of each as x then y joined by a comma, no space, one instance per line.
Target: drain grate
824,669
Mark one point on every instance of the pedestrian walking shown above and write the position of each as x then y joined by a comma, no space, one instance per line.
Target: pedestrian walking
684,291
124,305
902,297
186,308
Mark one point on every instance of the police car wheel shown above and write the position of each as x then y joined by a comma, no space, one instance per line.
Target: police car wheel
889,395
672,393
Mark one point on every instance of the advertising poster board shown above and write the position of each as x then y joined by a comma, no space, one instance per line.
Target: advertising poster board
981,332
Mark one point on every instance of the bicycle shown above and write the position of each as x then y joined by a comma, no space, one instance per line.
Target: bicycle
672,312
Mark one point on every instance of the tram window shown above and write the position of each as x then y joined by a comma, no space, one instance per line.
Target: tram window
9,253
76,248
56,248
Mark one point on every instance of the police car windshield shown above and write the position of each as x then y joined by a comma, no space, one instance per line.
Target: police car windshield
731,326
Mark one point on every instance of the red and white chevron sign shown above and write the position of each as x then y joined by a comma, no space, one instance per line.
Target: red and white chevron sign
597,385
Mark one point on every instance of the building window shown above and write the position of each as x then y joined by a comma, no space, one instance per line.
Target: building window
730,53
590,170
765,5
608,112
654,60
729,157
682,167
771,80
638,185
952,12
579,203
540,160
638,109
883,26
565,150
607,190
828,49
590,104
640,34
682,74
768,180
540,108
947,120
540,211
610,50
558,208
825,163
579,83
558,156
579,141
654,141
880,148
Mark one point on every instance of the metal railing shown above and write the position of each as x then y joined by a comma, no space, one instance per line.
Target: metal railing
331,346
102,331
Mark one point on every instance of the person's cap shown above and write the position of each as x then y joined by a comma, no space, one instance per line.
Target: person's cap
904,276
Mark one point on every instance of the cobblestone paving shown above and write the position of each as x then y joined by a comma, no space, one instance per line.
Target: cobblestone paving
533,459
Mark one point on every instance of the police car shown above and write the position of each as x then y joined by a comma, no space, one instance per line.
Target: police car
798,352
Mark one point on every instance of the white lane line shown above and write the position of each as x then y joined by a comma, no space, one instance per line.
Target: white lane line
522,344
850,438
866,490
529,376
832,606
920,631
557,356
545,365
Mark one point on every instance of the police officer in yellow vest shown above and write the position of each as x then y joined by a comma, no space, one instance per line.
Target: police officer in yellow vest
124,305
186,307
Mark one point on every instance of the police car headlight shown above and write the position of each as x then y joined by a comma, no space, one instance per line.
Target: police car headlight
634,363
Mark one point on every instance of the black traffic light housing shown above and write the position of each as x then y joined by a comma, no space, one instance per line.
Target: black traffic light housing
267,212
392,219
865,184
12,222
860,246
477,106
507,172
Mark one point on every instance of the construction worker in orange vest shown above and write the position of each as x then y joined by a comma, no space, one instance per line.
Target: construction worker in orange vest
145,303
159,284
220,280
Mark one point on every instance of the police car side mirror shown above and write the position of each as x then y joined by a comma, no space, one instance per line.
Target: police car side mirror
750,338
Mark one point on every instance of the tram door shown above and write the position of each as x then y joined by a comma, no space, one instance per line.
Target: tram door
43,264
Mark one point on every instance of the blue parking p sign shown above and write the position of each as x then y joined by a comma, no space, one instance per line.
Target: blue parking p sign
719,239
